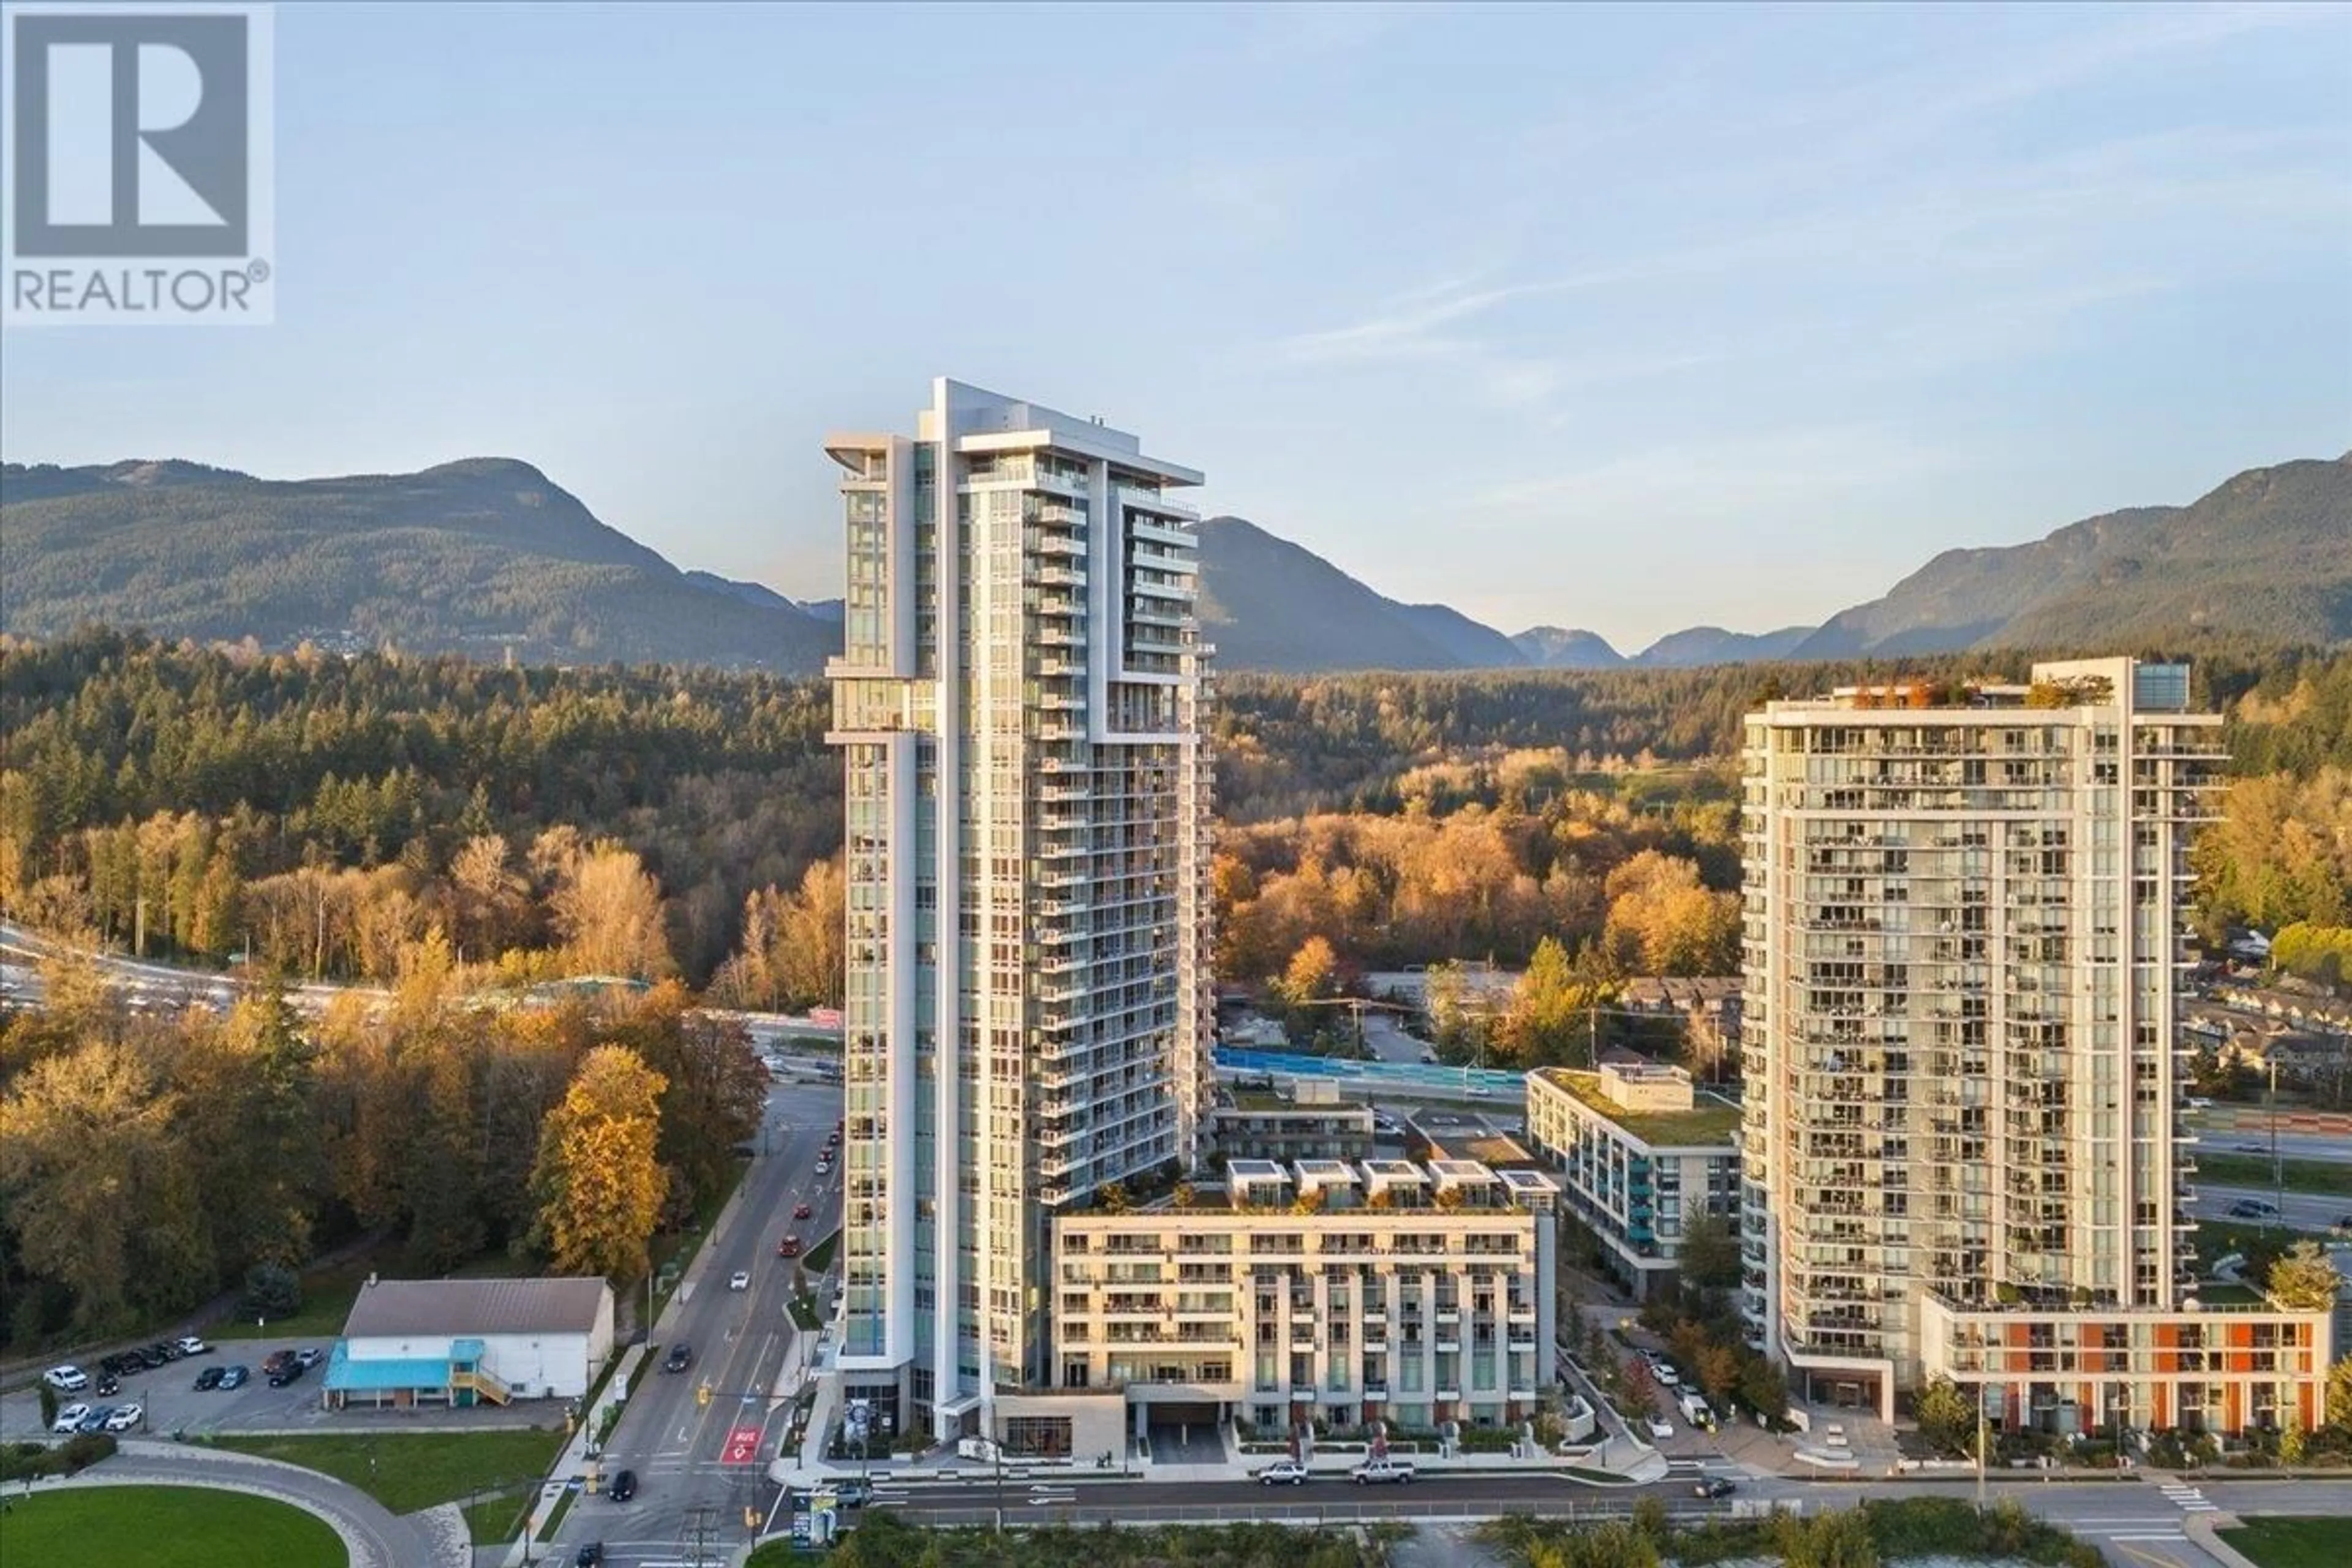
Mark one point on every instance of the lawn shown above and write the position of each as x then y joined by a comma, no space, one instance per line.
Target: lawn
2278,1543
820,1256
408,1470
163,1527
2254,1171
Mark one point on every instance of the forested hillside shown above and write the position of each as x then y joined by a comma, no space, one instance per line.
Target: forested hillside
381,796
487,557
320,812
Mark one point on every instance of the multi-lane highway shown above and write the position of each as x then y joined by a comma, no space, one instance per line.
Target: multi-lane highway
700,1460
2297,1211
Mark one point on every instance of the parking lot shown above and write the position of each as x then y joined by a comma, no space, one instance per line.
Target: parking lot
173,1403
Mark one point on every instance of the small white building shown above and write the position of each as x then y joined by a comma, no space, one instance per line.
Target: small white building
466,1341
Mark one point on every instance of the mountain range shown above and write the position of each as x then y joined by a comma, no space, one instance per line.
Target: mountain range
489,557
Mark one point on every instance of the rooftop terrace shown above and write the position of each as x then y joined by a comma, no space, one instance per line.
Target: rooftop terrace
1712,1121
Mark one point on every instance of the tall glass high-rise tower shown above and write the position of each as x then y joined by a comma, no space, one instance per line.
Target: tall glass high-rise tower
1018,705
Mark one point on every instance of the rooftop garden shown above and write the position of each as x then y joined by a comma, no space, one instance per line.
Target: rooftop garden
1710,1120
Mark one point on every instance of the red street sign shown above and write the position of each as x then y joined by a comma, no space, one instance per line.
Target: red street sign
742,1446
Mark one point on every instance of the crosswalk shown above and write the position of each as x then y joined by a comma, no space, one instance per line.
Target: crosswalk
2190,1499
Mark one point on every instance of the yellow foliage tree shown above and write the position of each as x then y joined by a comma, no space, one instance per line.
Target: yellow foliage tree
599,1183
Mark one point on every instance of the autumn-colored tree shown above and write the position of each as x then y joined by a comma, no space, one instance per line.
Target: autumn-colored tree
1312,975
608,910
1547,1017
2303,1280
1663,920
793,951
2339,1395
97,1187
599,1179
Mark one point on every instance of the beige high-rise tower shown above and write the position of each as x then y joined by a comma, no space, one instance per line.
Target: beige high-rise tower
1962,1154
1018,706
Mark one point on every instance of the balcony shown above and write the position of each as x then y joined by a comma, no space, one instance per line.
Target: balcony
1377,1391
1302,1395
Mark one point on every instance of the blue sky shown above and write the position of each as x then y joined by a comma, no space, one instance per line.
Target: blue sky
1624,319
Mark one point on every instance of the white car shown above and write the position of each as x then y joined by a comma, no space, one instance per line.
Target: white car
194,1344
125,1417
740,1280
69,1418
1283,1472
1660,1430
66,1379
1664,1372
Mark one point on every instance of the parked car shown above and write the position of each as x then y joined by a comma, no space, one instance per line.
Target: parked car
107,1383
1714,1486
155,1356
1660,1430
1382,1473
209,1378
95,1418
291,1372
308,1356
69,1420
1283,1472
624,1486
234,1377
740,1280
681,1356
66,1379
126,1417
194,1344
1664,1373
275,1360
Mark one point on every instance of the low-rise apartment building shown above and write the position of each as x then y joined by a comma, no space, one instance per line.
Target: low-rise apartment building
1320,1291
1638,1150
2213,1368
1311,1122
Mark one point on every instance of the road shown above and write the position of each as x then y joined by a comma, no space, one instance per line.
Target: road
2255,1140
679,1446
2134,1521
2300,1211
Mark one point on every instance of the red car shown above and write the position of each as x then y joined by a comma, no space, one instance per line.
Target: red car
800,1211
789,1247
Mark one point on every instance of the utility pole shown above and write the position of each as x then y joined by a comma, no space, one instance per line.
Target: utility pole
1980,1446
2278,1166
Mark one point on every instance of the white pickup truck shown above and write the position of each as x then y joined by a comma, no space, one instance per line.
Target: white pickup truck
1381,1472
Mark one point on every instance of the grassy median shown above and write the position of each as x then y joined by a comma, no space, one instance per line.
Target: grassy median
409,1470
163,1527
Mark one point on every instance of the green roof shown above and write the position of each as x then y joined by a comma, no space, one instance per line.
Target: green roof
1710,1122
